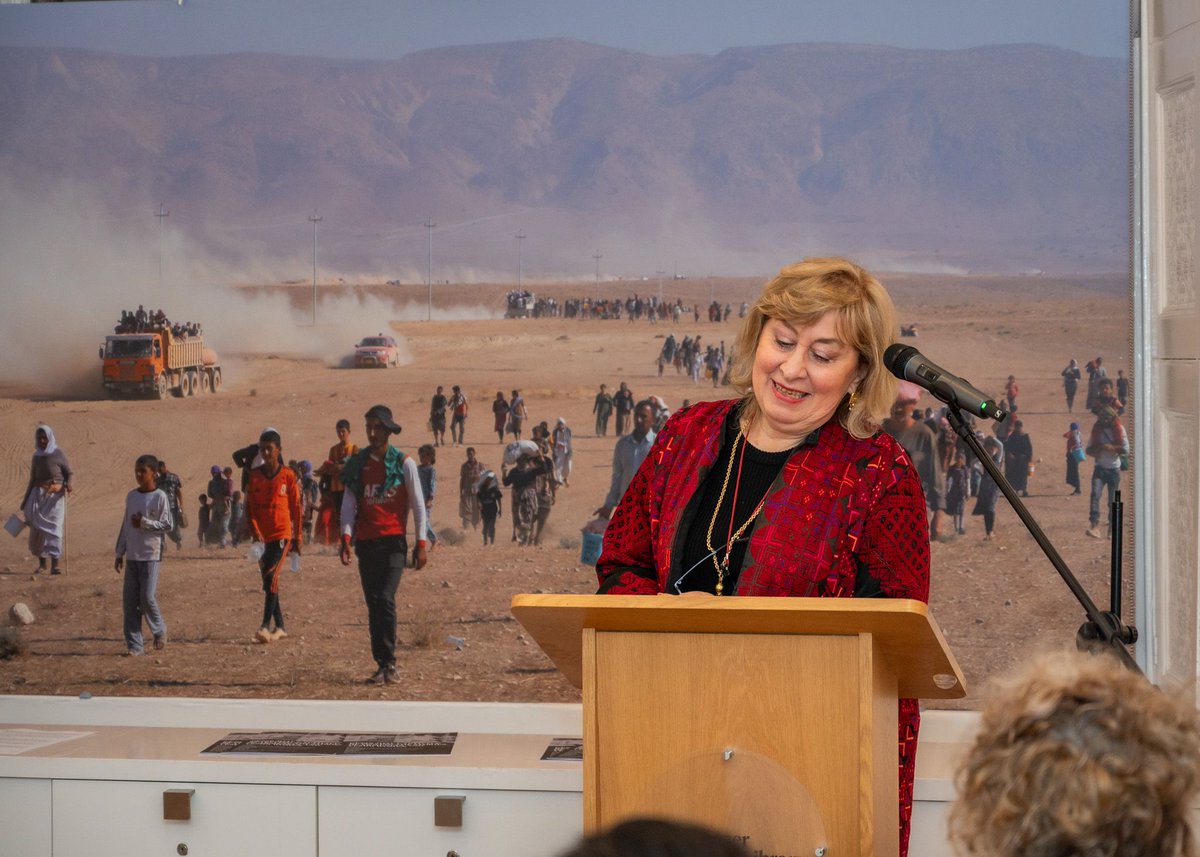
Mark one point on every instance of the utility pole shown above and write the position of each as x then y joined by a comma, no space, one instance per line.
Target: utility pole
160,214
314,218
660,276
429,224
597,256
520,238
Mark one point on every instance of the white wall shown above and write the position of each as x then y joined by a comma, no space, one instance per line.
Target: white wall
1167,315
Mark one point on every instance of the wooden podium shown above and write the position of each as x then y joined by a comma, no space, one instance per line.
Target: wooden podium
771,718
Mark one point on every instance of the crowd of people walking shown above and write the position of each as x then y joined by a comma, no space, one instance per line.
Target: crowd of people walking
694,359
952,475
281,505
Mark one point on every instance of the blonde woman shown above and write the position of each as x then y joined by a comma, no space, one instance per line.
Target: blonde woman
792,488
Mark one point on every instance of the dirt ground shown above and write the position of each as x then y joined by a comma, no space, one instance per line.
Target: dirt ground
995,601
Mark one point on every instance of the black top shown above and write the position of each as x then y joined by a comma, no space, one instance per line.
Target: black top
758,470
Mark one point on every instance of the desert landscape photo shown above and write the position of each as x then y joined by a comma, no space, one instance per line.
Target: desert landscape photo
996,601
292,183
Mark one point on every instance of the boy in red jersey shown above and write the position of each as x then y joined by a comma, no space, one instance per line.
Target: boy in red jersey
273,517
382,488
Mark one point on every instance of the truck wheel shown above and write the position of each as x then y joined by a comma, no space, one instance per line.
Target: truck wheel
192,383
160,387
216,380
205,381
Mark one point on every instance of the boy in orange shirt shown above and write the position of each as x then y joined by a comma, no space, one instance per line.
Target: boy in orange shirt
273,517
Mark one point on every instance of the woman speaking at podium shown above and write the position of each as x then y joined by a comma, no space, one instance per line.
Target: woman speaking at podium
791,489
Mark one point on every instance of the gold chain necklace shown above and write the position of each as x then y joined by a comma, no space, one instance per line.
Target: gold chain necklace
723,565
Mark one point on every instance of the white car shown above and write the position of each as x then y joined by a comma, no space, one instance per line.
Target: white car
377,351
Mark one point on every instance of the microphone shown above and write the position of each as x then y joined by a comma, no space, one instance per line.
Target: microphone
909,364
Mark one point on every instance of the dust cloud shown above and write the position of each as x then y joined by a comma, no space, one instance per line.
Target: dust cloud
71,267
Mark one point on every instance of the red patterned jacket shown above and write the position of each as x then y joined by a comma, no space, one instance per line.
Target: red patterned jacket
844,516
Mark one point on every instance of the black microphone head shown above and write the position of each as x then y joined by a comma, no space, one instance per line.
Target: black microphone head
896,355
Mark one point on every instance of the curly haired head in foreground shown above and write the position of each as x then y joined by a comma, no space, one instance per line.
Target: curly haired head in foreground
1079,757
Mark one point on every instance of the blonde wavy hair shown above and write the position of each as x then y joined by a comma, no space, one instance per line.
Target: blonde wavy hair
866,318
1079,757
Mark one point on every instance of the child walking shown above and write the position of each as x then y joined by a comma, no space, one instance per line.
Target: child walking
140,540
203,520
958,479
273,516
310,497
237,519
1075,454
428,475
491,498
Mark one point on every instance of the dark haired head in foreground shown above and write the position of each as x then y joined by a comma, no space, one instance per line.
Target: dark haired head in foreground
653,837
1078,756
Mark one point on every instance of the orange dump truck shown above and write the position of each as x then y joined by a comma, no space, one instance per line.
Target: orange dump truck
156,362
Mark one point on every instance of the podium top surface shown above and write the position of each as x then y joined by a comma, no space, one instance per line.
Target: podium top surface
909,638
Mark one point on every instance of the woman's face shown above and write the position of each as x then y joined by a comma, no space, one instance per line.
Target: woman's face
42,440
800,375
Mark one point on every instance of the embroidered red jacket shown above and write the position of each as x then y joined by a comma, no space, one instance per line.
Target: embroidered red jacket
844,517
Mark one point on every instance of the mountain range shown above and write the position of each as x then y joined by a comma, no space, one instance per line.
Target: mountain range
1003,158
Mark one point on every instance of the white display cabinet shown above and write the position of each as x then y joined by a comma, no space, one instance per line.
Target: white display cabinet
101,793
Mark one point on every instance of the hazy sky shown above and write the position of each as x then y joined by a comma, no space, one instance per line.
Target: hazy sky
381,29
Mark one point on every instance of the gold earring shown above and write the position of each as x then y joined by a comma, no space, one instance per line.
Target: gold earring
853,400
